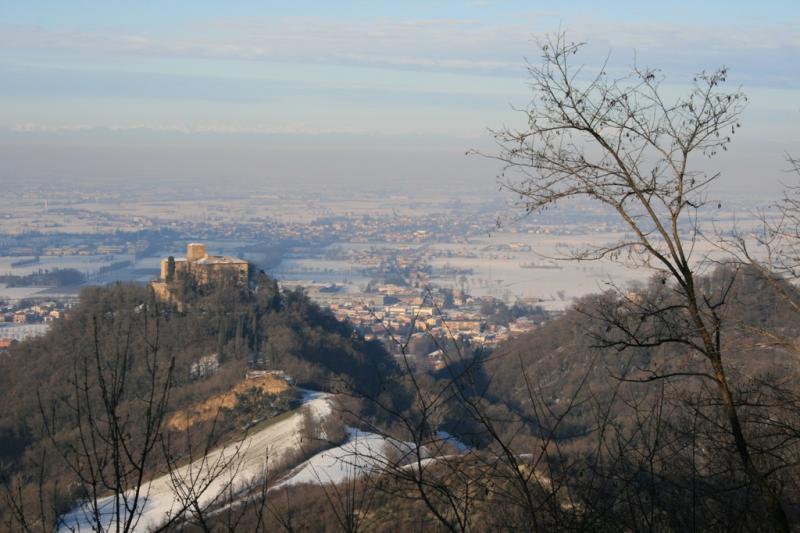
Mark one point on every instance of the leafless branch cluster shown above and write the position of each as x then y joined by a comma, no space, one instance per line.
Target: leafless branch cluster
120,448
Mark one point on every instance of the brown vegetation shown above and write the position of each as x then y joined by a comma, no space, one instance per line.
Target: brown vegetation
207,410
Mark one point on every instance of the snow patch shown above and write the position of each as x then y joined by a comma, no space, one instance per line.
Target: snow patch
450,439
363,453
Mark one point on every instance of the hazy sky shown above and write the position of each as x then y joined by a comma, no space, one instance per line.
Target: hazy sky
326,91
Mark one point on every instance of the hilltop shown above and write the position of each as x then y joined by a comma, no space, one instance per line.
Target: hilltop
122,345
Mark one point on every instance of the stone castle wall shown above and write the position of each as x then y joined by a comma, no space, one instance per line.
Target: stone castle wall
203,268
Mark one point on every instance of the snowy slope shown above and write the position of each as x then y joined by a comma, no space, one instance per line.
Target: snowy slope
220,472
363,452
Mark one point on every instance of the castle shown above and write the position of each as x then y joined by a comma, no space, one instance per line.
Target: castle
202,268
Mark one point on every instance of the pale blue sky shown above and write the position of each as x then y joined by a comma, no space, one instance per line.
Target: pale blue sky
119,80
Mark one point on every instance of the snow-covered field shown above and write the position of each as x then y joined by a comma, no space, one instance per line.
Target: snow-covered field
222,472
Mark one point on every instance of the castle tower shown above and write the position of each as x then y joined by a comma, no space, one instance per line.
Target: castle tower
195,251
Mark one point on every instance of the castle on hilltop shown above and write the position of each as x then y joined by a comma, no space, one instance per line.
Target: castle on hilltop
202,269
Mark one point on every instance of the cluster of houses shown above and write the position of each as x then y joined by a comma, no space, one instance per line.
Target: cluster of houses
414,323
425,318
19,321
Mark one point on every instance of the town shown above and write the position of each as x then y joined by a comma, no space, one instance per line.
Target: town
411,320
406,269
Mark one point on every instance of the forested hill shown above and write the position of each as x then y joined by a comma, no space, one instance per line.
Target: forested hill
121,333
580,362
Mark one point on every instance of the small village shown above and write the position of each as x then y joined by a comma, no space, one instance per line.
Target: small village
415,322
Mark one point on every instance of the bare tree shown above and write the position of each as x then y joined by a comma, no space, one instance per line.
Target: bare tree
621,143
118,396
119,422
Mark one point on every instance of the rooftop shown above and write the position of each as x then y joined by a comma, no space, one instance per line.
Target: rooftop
220,259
